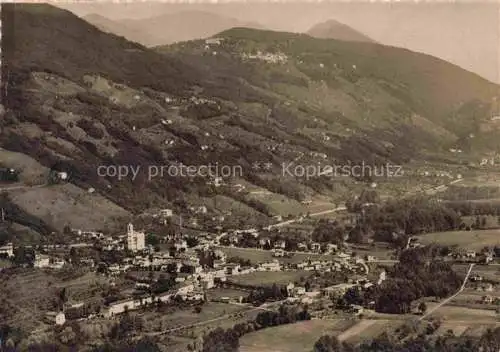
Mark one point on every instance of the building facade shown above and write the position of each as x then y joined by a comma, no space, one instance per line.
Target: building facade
136,241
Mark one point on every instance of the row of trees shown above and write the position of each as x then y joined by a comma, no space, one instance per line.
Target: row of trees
329,232
393,221
488,342
418,274
470,208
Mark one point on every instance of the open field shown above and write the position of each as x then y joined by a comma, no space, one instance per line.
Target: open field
284,206
379,250
475,240
489,179
319,205
224,292
261,256
255,256
489,272
473,300
465,328
270,277
368,329
173,318
227,323
279,204
298,337
60,205
463,314
32,172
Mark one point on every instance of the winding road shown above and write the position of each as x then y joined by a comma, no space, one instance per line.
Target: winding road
283,223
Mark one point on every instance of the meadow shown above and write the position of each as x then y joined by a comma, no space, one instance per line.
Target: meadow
298,337
475,240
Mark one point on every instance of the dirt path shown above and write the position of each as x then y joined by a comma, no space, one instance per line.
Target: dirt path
356,329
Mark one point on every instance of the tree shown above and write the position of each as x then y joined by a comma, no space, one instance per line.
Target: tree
307,286
74,256
152,240
146,345
422,307
23,256
477,223
62,296
192,242
329,232
220,340
483,222
5,331
44,347
67,230
327,343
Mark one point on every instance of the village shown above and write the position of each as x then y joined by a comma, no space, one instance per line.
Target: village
184,274
186,269
192,278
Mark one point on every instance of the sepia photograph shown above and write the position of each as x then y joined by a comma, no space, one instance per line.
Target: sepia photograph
250,176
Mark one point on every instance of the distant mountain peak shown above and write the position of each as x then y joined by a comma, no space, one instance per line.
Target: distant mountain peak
333,29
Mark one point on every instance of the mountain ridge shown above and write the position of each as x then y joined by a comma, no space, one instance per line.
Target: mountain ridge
93,98
119,28
169,28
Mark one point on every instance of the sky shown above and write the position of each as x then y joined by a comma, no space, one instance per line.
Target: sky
464,33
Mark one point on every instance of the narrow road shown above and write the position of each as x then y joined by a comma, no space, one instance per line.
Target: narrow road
280,224
263,307
451,297
13,188
265,250
265,192
441,188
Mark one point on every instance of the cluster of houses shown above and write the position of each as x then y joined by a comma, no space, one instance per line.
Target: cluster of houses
44,261
274,58
192,279
484,256
132,240
488,299
186,292
440,173
278,247
300,294
213,41
344,263
485,287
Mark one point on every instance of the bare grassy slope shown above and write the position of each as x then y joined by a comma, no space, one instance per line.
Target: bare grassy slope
61,205
92,98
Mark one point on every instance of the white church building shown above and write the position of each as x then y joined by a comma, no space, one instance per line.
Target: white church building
136,241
